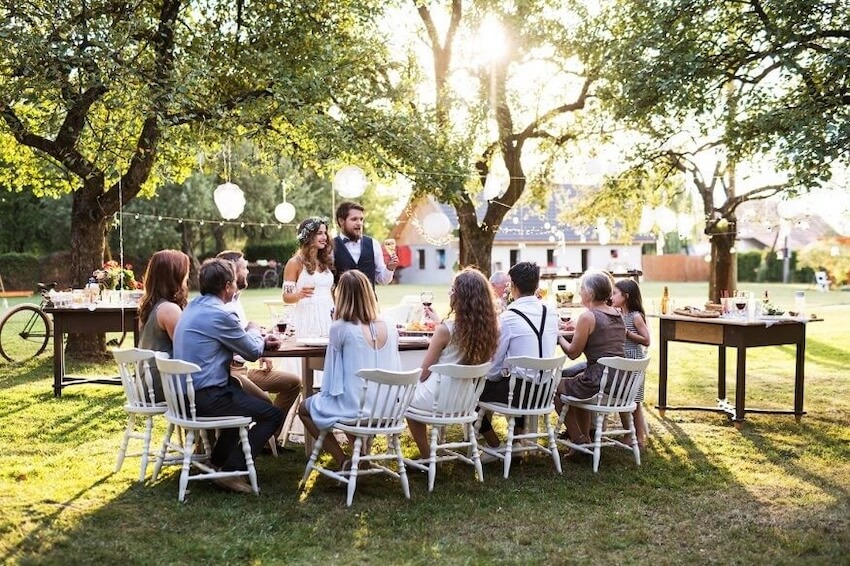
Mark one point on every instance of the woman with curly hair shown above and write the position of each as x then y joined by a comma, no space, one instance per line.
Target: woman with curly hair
308,280
165,297
468,336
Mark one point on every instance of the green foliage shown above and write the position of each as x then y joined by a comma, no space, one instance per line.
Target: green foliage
280,250
20,271
748,266
832,255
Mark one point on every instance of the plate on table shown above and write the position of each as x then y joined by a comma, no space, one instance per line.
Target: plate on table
414,333
318,341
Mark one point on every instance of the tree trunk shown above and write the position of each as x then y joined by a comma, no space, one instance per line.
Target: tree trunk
88,241
476,247
724,268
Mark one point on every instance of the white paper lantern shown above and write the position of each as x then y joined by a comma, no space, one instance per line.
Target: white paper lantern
284,212
350,182
685,224
437,225
494,186
647,219
230,200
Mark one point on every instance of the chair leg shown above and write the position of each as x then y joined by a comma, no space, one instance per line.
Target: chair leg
355,464
402,469
289,420
146,448
633,432
311,463
553,445
166,440
469,429
597,440
122,450
187,464
432,458
249,459
509,444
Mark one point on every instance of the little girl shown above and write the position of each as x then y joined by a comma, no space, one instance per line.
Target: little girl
626,297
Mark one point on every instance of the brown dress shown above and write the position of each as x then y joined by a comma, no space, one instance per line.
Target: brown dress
607,339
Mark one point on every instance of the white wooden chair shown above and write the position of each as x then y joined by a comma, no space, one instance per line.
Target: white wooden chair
621,380
458,388
180,398
384,399
539,378
134,369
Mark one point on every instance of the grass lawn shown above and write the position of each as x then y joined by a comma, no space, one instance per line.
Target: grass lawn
773,492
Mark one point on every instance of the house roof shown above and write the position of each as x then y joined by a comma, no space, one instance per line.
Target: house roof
759,221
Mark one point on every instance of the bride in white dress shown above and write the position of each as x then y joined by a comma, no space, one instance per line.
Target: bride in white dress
308,280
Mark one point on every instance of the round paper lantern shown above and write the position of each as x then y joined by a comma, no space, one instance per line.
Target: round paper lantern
647,219
350,182
437,225
284,212
230,200
494,186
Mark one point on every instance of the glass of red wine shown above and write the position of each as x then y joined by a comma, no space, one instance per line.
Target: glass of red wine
427,298
741,304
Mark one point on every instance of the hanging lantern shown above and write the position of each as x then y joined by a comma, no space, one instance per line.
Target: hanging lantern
284,212
647,219
685,224
230,200
494,185
437,225
350,182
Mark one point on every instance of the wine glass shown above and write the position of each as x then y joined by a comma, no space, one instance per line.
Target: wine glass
741,304
427,298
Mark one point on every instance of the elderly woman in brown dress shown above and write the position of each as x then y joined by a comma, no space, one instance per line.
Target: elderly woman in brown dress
599,332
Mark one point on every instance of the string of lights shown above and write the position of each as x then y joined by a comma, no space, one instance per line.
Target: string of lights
203,221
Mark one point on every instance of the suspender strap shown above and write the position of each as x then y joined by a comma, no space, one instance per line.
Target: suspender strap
538,333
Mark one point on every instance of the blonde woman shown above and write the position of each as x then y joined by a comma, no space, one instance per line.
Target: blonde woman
358,339
308,279
469,335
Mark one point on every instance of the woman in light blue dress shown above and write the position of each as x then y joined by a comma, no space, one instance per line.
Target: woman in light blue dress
358,340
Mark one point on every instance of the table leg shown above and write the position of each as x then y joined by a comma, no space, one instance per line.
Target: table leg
307,391
721,373
740,387
662,375
799,377
58,358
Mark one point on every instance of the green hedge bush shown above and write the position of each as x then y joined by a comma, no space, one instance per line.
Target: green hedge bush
280,250
20,272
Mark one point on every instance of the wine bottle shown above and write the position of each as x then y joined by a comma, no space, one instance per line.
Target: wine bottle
665,301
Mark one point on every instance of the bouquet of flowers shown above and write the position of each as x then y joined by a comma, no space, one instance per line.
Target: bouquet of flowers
114,277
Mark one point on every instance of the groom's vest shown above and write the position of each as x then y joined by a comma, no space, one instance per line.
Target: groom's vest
343,260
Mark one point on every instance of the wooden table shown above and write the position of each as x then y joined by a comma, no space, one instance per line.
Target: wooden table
734,333
85,321
313,359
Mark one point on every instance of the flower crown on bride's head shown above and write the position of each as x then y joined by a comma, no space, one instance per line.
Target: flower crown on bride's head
309,227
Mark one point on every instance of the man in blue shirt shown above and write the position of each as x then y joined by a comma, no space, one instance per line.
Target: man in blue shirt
209,334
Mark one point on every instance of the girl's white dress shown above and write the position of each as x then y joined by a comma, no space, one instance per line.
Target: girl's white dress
347,353
311,316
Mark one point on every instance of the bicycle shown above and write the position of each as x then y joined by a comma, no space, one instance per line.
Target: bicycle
26,328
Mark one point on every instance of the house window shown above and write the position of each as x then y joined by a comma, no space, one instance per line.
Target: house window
420,256
585,259
514,257
550,258
441,259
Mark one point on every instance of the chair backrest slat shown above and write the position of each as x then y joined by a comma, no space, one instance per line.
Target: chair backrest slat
136,380
538,378
178,386
458,388
384,397
621,380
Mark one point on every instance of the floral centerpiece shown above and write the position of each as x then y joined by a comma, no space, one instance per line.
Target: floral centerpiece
114,277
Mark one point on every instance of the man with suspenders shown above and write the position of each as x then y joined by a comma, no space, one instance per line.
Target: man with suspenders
528,328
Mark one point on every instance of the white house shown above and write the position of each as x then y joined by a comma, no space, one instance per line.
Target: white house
525,235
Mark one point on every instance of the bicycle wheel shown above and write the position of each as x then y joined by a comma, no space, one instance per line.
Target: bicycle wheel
24,333
269,279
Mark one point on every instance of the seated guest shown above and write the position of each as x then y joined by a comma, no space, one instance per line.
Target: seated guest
209,334
358,339
286,386
467,336
500,282
599,332
165,297
527,328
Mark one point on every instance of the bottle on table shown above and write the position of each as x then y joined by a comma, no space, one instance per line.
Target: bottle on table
92,291
665,301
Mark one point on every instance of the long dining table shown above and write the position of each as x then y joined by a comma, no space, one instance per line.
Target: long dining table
312,357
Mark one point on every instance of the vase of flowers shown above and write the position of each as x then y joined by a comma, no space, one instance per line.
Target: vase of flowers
113,277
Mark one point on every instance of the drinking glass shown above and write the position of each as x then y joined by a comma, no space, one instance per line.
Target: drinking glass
741,304
427,298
